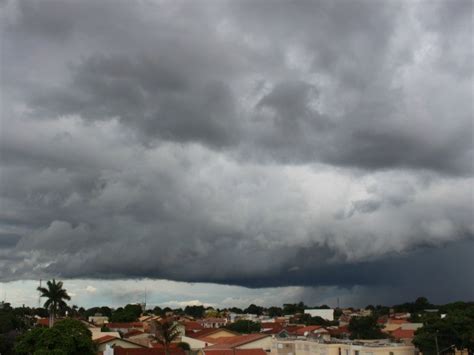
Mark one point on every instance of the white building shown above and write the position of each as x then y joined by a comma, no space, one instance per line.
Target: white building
327,314
307,347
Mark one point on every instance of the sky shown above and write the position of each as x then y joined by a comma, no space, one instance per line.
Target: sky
236,152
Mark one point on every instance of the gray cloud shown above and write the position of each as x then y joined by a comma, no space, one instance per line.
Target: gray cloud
232,142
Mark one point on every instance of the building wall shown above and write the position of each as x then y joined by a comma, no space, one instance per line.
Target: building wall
98,320
265,344
327,314
221,334
97,333
194,343
119,342
301,347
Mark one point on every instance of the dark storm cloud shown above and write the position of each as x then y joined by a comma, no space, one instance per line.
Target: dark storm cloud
252,142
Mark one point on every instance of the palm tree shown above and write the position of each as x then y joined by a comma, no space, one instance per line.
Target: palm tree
166,331
55,295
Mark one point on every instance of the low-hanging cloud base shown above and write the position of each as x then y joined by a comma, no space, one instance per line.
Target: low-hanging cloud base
305,144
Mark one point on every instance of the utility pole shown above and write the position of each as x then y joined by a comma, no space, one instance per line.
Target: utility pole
436,342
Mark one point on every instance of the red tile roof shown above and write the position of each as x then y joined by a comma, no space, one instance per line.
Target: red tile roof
397,321
125,325
105,339
271,328
309,329
233,342
147,351
400,333
339,331
193,326
235,352
209,331
43,322
212,320
133,332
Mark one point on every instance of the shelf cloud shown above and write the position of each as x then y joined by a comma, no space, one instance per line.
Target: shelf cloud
250,143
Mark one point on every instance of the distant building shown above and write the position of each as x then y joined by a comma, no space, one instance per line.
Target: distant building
327,314
306,347
98,319
212,322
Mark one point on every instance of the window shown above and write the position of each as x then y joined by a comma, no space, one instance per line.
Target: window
356,352
339,351
391,353
280,346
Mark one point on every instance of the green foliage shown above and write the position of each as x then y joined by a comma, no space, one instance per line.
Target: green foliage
236,310
129,313
293,308
457,328
105,311
166,332
420,304
195,311
306,319
185,346
13,321
365,328
68,337
275,312
253,309
55,296
244,326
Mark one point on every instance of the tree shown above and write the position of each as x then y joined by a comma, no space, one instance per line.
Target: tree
275,312
12,323
293,308
195,311
236,310
166,332
244,326
253,309
457,329
185,346
129,313
56,297
66,337
365,328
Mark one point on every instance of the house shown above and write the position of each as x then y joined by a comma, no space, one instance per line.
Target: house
125,327
139,337
192,327
271,328
248,341
212,322
327,314
98,319
308,347
393,324
119,350
206,337
112,341
339,332
234,352
404,335
98,333
314,331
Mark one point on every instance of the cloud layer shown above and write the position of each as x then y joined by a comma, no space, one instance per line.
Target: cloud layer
305,143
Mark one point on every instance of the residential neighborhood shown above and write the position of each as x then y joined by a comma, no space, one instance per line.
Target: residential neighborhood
293,329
